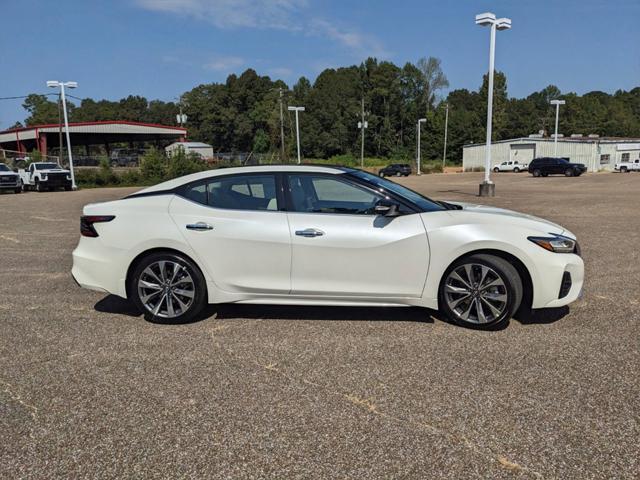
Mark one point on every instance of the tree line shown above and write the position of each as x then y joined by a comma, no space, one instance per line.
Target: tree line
243,113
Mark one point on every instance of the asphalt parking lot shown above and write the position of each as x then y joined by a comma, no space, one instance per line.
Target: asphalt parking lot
89,389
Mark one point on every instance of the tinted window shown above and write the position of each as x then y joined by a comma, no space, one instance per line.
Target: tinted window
325,194
4,168
243,192
423,203
238,192
46,166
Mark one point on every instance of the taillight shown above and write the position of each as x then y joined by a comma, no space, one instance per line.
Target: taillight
87,221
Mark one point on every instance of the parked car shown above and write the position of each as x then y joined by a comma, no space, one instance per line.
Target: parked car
625,167
510,166
9,180
396,170
313,235
555,166
123,157
42,176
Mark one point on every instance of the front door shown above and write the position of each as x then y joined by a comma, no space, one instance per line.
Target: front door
341,248
234,224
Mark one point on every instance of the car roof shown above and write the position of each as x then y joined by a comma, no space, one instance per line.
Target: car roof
176,182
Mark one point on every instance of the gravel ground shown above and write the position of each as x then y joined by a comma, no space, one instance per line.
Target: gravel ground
88,389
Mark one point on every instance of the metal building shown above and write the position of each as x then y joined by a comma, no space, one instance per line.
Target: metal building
597,153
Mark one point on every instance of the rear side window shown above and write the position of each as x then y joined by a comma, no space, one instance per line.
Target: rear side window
237,192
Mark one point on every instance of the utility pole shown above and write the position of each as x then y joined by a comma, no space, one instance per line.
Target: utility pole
61,85
362,125
418,160
297,110
446,125
557,103
181,117
281,129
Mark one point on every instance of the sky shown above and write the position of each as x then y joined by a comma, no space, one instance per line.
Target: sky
162,48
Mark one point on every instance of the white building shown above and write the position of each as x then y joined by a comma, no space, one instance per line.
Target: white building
597,153
203,149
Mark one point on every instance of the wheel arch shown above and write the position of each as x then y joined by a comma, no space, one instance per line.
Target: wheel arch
523,272
134,263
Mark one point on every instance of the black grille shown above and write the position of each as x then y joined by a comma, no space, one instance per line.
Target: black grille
57,179
565,286
8,179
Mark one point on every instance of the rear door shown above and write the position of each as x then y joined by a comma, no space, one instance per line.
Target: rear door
341,248
235,225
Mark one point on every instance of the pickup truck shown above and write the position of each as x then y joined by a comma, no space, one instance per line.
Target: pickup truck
625,167
41,176
9,180
511,166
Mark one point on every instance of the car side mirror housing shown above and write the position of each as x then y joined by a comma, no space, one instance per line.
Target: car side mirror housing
387,208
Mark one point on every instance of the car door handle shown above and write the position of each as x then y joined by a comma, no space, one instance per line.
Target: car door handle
309,232
200,226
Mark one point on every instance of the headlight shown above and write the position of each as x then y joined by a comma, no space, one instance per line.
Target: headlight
556,243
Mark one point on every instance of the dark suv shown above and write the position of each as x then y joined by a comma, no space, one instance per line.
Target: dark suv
541,167
395,169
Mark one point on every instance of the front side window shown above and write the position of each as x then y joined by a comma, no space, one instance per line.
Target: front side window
236,192
324,194
4,168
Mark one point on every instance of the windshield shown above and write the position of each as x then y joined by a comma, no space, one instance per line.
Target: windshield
47,166
4,168
424,203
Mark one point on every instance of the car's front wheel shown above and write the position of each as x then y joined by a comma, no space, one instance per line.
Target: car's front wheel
481,291
516,170
537,173
168,288
568,172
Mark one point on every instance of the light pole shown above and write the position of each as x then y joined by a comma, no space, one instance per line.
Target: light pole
557,103
420,121
297,109
487,187
446,125
61,85
362,125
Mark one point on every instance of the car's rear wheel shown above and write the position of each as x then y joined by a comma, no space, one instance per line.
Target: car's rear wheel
568,172
537,173
38,186
496,169
168,288
381,174
480,291
516,170
623,169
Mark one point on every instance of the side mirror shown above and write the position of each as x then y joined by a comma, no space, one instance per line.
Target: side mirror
387,208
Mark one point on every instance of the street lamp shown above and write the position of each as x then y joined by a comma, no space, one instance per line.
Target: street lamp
557,103
420,121
297,109
487,187
61,85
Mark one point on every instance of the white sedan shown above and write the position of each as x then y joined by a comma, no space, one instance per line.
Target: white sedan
307,235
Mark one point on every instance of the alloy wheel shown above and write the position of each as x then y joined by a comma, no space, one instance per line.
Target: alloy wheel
166,289
476,293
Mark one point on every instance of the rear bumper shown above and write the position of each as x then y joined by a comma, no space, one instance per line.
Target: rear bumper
95,268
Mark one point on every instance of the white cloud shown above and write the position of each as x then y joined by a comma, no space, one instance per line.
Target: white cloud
224,64
359,43
280,72
232,13
291,15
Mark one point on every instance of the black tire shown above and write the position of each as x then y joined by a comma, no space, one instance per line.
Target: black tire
199,288
398,174
496,169
569,172
516,170
624,169
545,174
37,186
512,285
537,172
114,164
18,190
381,174
68,189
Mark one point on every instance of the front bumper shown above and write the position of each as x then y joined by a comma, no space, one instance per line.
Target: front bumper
551,292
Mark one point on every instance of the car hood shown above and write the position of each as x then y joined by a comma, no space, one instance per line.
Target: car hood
496,214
